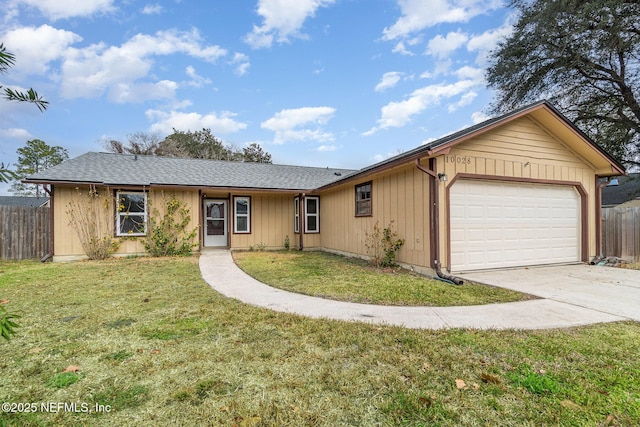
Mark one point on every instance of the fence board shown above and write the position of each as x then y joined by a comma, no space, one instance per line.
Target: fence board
621,232
24,232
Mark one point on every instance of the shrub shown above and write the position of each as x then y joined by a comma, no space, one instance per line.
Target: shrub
167,234
382,245
7,325
88,215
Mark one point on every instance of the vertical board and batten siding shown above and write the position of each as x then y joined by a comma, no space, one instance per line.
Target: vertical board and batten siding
67,242
400,195
271,222
621,233
24,232
520,149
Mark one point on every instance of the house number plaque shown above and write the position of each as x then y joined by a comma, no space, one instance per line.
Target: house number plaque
460,160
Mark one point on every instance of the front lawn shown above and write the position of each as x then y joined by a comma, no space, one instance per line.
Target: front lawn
325,275
152,342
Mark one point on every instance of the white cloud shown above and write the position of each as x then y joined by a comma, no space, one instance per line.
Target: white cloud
35,48
196,80
90,71
464,100
399,113
241,61
286,124
470,73
16,133
388,80
61,9
220,123
420,14
282,19
152,9
443,47
487,41
122,93
479,117
325,148
402,49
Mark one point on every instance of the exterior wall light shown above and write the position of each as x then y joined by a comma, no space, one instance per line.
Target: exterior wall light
442,177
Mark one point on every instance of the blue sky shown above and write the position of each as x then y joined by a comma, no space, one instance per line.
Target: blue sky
338,83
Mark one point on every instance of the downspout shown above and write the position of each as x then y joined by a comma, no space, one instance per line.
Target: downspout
300,219
201,224
435,221
48,256
600,186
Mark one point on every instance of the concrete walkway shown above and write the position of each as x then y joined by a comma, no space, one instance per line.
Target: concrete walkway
221,273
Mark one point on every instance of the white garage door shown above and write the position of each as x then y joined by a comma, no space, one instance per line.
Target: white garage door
498,224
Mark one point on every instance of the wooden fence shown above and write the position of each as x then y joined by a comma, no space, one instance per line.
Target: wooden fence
24,232
621,232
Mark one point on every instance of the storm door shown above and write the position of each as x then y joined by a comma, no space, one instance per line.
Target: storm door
215,222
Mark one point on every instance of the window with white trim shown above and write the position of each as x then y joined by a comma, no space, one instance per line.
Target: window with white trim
296,215
312,214
242,215
131,217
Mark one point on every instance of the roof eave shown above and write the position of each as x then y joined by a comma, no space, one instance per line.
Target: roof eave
172,186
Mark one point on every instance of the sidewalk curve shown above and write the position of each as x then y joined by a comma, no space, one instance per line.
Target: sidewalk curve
222,274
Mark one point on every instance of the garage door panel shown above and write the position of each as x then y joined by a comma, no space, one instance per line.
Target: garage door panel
499,224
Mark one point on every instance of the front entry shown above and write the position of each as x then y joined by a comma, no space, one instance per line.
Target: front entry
215,222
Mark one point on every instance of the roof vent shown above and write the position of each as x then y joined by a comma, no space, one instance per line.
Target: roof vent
135,157
337,174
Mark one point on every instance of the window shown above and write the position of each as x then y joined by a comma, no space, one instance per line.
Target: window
296,215
242,214
363,199
131,219
312,215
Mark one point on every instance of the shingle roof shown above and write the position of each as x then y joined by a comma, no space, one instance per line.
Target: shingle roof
128,169
628,188
23,201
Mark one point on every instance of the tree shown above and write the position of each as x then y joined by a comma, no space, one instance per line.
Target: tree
197,145
200,144
254,153
6,175
7,60
582,55
138,143
35,157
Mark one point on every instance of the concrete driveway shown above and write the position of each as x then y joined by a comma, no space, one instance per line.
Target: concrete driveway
604,289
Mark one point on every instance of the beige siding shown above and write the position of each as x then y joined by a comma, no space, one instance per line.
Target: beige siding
521,149
271,222
66,240
400,195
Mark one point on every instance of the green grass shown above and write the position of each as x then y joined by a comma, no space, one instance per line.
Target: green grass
341,278
158,346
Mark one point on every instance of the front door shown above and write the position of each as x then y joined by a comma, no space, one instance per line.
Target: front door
215,222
